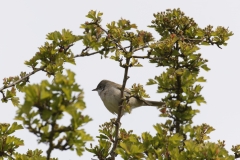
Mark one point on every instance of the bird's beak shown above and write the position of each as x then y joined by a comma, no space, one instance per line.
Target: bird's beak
94,89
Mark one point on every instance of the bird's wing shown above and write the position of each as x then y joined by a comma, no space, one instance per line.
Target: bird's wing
126,91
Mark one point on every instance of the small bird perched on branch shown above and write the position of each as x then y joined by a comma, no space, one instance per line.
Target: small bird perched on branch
110,93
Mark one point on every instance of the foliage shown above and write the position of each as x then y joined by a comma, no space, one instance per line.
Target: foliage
50,59
164,145
8,144
181,38
177,51
46,104
31,155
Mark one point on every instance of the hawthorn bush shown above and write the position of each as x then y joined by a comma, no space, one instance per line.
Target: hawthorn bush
45,104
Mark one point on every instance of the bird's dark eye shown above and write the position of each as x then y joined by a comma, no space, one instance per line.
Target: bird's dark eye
101,88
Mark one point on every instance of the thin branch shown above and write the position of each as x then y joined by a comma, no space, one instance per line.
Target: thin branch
67,48
117,122
114,40
64,146
143,57
23,78
193,39
237,155
51,139
136,49
83,53
4,97
87,54
9,156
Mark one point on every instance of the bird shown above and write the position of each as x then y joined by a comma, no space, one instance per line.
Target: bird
110,94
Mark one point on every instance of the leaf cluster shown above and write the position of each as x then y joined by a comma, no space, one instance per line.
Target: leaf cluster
52,55
165,144
32,155
46,104
176,50
8,143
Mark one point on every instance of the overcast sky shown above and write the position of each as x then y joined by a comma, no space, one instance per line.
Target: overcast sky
24,25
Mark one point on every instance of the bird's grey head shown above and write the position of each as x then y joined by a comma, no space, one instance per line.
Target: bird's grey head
101,86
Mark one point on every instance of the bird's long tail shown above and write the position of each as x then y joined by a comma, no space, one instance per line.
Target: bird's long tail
153,103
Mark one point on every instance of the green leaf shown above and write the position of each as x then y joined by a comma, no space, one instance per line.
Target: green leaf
91,14
71,77
179,71
151,82
190,145
175,52
158,128
67,92
120,151
46,114
45,94
205,43
79,151
176,139
201,79
99,14
45,130
14,127
199,100
198,88
80,104
200,33
205,67
15,101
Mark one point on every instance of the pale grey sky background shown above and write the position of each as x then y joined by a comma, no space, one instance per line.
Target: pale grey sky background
24,25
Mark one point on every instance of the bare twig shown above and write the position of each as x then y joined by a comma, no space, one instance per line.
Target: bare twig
67,48
87,54
143,57
4,97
